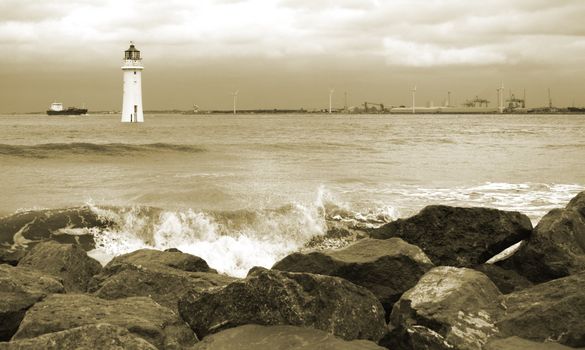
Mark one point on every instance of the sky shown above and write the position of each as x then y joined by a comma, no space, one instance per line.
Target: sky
289,53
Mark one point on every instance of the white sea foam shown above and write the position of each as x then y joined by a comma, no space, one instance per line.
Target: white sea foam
231,242
532,199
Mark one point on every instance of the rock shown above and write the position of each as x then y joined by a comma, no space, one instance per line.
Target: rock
172,258
515,343
461,237
279,338
269,297
337,235
20,288
21,231
101,336
507,281
551,311
557,246
162,283
449,308
386,267
140,316
459,308
66,261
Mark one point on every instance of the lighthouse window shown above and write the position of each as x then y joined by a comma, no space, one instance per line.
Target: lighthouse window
134,73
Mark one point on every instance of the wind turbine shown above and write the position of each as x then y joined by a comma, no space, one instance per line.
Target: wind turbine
331,91
413,99
235,95
501,98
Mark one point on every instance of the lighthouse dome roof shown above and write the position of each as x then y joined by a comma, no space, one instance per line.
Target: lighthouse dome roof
132,48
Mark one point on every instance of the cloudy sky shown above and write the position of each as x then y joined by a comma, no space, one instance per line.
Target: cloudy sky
288,53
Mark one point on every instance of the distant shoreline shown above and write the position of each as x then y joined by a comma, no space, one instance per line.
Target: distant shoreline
395,111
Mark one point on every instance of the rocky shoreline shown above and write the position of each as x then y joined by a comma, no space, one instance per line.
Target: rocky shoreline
415,283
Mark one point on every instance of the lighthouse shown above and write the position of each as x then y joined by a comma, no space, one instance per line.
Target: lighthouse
132,68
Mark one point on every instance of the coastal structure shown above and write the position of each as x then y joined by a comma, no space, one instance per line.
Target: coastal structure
331,91
132,103
500,91
413,100
235,96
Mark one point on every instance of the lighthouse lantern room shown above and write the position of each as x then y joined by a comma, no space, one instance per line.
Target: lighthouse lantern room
132,104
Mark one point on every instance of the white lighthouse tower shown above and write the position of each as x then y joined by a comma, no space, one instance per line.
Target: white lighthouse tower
132,68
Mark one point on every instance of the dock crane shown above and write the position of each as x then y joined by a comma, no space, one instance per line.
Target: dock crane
515,102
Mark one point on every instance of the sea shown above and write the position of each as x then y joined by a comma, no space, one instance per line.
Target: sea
246,190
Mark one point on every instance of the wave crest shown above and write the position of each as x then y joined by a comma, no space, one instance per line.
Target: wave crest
48,150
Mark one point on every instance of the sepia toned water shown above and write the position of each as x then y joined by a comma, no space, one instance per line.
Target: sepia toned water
246,190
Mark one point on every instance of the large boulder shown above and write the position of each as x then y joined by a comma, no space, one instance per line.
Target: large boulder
163,276
279,338
557,245
461,237
20,288
21,231
172,258
101,336
66,261
516,343
449,308
386,267
507,281
551,311
269,297
140,316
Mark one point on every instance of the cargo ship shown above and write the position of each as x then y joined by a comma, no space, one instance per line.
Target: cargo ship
57,109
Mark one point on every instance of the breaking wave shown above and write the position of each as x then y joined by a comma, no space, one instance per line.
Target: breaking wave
231,242
50,150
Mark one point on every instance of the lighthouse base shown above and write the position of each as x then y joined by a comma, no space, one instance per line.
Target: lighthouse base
134,116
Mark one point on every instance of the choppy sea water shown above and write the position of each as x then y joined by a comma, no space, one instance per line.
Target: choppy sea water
247,190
